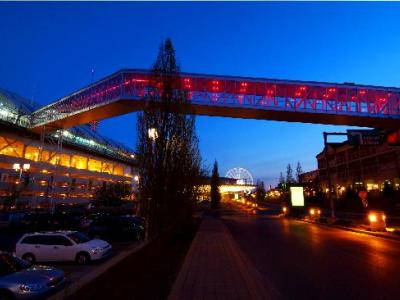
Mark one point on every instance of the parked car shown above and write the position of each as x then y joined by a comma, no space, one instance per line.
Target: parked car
61,246
85,221
47,221
20,280
35,222
117,228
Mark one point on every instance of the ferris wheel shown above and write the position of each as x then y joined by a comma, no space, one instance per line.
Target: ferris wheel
241,175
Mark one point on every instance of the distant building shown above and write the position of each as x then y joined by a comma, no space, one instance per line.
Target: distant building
59,172
359,166
309,178
229,188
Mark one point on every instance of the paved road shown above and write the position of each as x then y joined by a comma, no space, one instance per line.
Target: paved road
307,261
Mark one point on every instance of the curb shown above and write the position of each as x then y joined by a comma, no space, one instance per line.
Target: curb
375,234
89,277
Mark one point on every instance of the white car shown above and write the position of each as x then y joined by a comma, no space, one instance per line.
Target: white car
61,246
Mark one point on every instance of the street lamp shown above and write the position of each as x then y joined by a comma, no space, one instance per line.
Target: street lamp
20,167
152,133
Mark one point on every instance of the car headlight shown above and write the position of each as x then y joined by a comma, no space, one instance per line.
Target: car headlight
95,250
30,287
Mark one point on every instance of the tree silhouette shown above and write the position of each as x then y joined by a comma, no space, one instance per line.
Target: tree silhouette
289,174
167,149
299,171
214,192
281,179
112,194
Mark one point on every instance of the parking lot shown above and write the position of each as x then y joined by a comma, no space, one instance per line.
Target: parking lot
73,271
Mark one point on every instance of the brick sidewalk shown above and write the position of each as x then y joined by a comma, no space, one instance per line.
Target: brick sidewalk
216,268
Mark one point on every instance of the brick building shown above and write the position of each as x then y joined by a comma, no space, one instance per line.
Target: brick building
356,166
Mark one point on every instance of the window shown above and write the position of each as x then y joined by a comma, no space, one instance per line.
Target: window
118,170
32,153
11,147
94,165
45,155
65,160
78,237
58,240
107,167
34,239
79,162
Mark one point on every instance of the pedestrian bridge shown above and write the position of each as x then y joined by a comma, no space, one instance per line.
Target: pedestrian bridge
227,96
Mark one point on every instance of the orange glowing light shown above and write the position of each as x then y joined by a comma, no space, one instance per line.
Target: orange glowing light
372,218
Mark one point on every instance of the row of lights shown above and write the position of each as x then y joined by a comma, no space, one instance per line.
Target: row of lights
300,91
248,203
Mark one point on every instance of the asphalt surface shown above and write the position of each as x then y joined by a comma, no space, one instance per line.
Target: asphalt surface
309,261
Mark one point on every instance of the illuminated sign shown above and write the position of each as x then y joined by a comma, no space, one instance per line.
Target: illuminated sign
297,195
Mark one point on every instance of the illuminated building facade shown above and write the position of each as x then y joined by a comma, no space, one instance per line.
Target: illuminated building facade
358,166
64,167
229,188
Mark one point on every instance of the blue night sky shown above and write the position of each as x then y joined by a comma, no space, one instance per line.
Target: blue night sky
48,51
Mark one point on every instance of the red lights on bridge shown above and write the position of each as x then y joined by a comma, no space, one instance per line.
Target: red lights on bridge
187,83
243,87
270,93
215,85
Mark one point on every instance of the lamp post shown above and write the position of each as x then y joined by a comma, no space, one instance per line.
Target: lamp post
20,168
152,135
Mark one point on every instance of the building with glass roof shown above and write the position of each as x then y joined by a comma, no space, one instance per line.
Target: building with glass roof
66,166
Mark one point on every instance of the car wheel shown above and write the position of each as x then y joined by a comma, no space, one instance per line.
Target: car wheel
6,295
82,258
29,257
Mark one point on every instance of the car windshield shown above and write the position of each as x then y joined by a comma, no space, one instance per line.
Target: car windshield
78,237
10,264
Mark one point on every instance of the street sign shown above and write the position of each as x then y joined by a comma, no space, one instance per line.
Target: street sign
297,195
364,137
